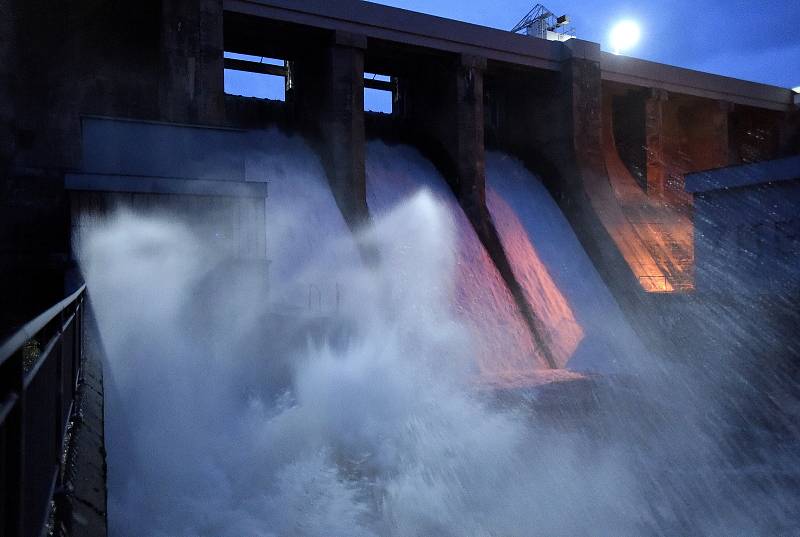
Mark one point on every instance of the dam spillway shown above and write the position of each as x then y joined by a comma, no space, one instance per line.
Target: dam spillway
394,408
423,326
481,297
517,299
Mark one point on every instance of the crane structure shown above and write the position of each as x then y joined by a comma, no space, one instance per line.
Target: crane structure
542,23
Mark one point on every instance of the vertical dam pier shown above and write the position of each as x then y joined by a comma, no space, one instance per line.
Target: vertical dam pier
635,169
457,89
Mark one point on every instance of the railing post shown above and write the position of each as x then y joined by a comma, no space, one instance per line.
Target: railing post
12,388
77,343
23,504
59,411
79,362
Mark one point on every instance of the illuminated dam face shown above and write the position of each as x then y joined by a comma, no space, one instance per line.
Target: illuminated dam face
384,428
644,206
350,396
650,143
504,307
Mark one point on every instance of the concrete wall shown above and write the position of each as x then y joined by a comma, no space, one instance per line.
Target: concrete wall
190,62
146,60
538,100
442,104
637,130
527,117
199,175
661,136
755,135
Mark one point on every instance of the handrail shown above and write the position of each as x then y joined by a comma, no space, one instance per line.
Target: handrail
32,327
36,405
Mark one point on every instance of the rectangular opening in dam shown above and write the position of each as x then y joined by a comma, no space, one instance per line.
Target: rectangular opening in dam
524,287
255,76
378,93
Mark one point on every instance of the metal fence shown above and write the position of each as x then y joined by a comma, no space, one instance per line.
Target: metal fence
39,371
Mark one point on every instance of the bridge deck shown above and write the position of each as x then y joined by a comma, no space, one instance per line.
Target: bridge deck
636,72
420,30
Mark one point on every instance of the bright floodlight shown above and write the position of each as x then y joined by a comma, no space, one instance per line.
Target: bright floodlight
624,36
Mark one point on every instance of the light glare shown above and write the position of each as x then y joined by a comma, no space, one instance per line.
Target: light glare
624,36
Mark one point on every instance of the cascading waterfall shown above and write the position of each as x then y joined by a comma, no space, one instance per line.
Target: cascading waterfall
586,326
504,348
235,412
304,227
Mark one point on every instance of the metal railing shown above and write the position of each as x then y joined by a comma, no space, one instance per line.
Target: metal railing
39,371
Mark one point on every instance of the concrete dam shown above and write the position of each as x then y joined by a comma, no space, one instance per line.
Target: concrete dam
549,292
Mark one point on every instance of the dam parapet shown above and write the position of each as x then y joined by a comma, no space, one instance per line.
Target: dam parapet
455,87
124,104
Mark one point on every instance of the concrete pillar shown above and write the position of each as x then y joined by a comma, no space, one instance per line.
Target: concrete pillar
7,77
654,139
442,107
191,77
342,124
326,98
790,131
703,135
720,152
580,95
469,151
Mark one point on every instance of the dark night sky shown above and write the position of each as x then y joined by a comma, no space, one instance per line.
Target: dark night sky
749,39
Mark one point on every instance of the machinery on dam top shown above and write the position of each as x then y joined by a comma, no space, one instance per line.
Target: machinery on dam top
542,23
551,287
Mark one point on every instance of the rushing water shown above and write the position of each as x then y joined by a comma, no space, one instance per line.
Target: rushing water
237,410
588,328
504,347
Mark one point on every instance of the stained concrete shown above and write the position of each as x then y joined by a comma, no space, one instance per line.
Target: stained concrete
446,72
459,86
190,63
326,98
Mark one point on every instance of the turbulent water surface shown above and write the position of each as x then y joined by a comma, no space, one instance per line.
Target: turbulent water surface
240,409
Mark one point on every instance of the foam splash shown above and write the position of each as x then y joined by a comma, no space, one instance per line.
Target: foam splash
231,415
381,435
504,350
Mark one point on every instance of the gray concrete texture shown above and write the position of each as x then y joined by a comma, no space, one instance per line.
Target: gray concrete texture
461,87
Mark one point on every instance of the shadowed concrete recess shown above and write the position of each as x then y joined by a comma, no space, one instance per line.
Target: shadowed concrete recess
108,103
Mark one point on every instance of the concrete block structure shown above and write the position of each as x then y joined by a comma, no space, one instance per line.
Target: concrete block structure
610,136
109,101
